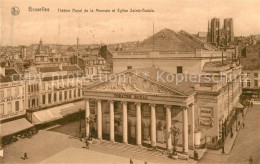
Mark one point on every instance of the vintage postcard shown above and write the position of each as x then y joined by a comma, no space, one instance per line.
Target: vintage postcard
129,81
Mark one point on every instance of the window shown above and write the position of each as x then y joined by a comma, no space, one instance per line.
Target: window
29,88
255,74
78,92
1,94
70,94
33,103
60,96
256,83
55,97
129,67
16,105
75,93
43,99
179,69
248,74
65,95
49,98
1,109
248,83
29,104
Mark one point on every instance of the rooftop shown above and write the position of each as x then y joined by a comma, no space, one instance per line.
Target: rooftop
49,69
184,87
70,68
169,40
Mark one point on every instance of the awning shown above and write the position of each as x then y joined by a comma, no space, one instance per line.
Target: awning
57,112
238,105
72,108
61,110
43,117
15,126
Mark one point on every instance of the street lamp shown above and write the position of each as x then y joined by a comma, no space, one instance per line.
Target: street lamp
223,138
175,132
79,120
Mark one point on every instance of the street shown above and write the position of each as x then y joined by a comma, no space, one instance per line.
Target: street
246,143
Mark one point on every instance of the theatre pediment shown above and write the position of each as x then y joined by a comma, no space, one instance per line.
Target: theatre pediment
129,82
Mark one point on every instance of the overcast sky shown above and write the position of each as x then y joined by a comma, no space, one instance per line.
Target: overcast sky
189,15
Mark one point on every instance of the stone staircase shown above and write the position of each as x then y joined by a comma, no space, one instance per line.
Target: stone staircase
132,148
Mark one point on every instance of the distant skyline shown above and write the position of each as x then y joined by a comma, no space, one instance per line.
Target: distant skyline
55,27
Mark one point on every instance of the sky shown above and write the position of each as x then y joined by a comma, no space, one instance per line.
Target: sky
55,27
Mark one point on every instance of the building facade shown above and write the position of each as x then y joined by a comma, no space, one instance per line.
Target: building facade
11,96
173,54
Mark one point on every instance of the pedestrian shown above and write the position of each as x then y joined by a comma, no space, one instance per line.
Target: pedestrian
87,144
243,125
251,160
131,161
251,104
25,156
196,155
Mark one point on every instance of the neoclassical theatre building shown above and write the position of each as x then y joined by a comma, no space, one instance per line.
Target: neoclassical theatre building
137,107
133,108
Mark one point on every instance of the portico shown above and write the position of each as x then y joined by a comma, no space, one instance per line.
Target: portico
138,108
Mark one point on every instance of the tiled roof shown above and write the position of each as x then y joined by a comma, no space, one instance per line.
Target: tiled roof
70,68
5,79
62,77
184,87
50,69
10,71
169,40
216,66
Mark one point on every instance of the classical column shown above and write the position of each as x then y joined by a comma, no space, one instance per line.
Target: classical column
125,122
138,125
153,126
112,117
185,129
99,119
87,119
168,127
192,125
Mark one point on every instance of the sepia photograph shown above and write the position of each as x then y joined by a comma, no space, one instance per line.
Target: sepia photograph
130,81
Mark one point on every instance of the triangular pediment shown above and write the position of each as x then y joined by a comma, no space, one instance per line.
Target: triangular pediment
133,83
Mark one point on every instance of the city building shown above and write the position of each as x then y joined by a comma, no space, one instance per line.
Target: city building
41,54
251,81
220,36
50,86
170,51
11,94
250,62
140,109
